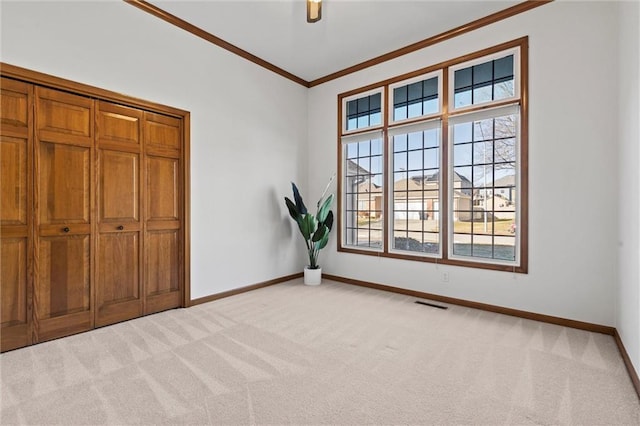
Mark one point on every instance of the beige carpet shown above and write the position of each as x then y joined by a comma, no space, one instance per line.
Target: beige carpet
333,354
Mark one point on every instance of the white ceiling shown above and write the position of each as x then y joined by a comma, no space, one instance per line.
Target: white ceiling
350,32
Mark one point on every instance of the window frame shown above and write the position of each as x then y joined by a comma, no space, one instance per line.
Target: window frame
426,76
344,119
434,122
445,70
366,135
476,116
481,60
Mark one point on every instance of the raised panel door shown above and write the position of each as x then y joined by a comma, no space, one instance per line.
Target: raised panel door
15,104
117,124
163,272
118,272
65,183
63,272
64,117
16,232
163,188
62,297
14,281
163,213
162,134
16,296
14,192
118,277
119,186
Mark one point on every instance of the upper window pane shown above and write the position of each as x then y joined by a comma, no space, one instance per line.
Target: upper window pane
364,112
416,99
489,81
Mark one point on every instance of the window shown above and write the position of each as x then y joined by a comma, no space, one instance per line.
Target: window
416,188
432,167
363,190
490,80
416,99
363,112
484,157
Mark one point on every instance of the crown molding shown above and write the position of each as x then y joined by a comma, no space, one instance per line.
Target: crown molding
455,32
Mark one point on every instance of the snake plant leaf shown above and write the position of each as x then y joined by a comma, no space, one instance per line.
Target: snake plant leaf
299,203
293,210
323,242
308,225
320,233
328,222
324,209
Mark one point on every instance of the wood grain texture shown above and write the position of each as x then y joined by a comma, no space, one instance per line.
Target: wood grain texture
63,279
16,221
63,285
633,374
13,258
15,104
118,268
186,210
164,232
119,187
14,192
65,195
162,188
162,262
73,238
39,78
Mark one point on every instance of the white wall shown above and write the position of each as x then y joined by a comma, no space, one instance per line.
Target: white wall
248,125
628,306
573,162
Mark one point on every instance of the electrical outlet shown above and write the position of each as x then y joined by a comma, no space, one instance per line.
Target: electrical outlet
445,277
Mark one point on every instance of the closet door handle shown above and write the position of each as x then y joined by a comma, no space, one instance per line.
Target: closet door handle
66,229
120,228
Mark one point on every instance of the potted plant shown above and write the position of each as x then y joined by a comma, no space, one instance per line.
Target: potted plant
315,229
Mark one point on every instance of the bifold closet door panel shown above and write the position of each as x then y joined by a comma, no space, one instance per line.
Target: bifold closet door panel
163,205
118,264
63,273
16,151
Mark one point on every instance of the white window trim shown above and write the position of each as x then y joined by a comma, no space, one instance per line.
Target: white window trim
344,118
355,138
515,51
427,76
471,117
400,130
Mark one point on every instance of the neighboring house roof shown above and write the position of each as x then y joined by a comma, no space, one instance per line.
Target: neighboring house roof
413,189
373,189
354,168
457,177
408,185
509,180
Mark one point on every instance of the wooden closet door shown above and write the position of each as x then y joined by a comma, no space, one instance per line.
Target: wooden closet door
163,206
64,196
16,156
119,294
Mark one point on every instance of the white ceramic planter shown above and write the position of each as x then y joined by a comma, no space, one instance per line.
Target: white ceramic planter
312,276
